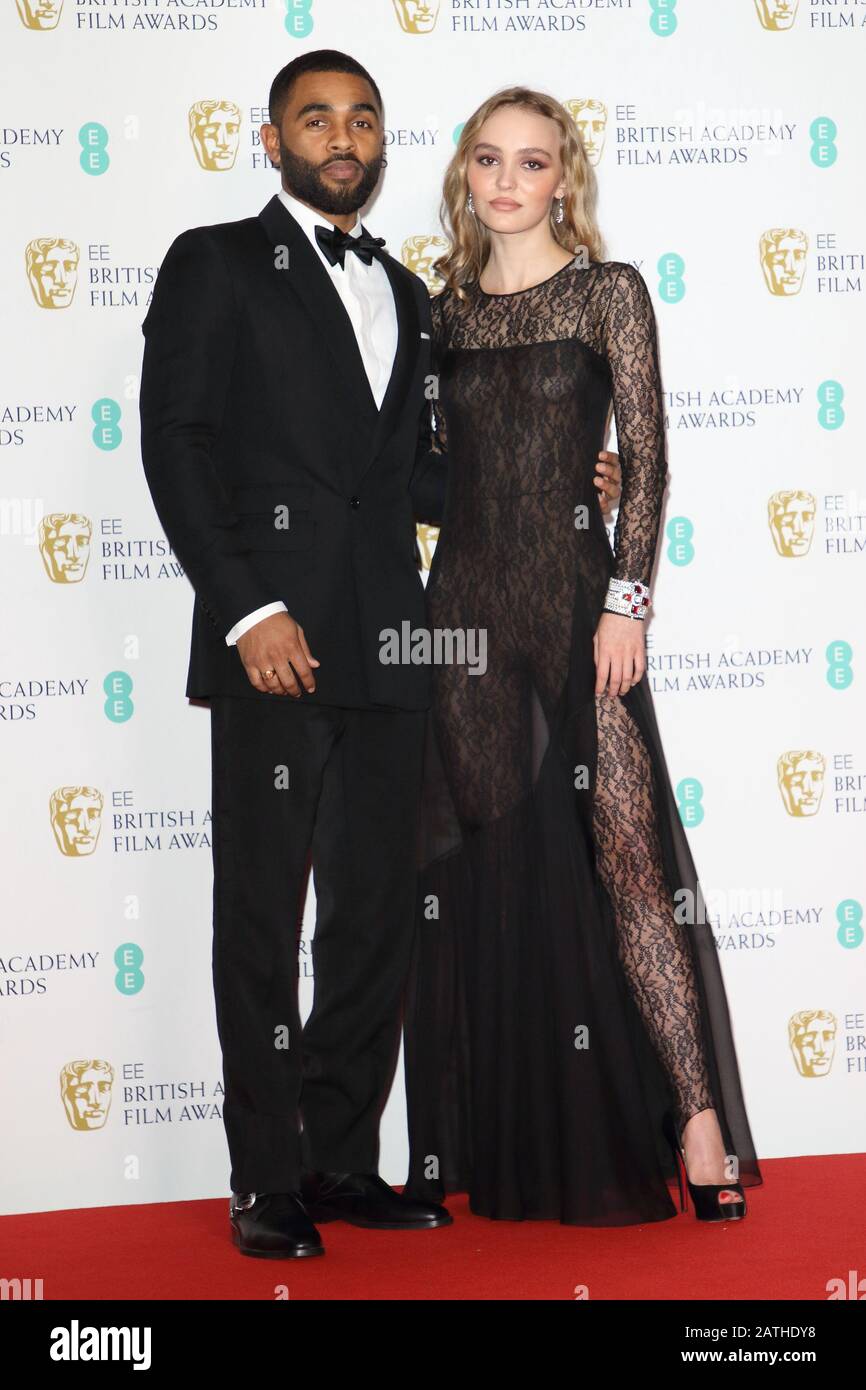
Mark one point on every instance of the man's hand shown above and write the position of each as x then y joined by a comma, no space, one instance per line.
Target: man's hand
619,649
278,644
608,480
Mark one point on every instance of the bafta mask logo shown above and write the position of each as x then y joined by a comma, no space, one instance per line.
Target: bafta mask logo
427,538
801,780
85,1088
64,544
76,819
776,14
52,270
791,518
39,14
418,254
783,260
812,1037
417,16
590,117
215,131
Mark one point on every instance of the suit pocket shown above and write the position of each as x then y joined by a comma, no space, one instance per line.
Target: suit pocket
274,516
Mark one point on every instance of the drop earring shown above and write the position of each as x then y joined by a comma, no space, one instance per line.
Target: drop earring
560,211
470,206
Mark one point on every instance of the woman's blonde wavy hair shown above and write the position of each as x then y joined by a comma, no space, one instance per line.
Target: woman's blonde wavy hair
469,239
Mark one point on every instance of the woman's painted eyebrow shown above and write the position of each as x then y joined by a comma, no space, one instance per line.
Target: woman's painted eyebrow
531,149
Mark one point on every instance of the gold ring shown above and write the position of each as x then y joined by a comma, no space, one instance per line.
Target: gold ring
270,672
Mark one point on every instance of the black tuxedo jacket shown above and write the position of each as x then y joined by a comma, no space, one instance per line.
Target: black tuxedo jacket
256,411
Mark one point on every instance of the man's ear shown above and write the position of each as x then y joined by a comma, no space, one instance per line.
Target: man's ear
275,157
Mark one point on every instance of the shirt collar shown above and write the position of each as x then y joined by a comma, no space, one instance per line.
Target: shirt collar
309,219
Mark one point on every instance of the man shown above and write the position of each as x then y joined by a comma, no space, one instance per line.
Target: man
282,389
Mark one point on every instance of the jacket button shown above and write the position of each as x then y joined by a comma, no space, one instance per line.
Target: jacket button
354,502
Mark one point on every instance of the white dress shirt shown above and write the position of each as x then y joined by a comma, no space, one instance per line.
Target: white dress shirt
369,301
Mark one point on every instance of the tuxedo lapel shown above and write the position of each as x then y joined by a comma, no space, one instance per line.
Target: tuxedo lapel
304,276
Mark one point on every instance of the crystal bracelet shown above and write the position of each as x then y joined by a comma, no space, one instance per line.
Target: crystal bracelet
628,597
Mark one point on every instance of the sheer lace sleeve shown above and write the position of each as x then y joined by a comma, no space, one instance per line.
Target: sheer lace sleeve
430,476
631,347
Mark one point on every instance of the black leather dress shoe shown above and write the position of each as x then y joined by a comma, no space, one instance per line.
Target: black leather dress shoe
365,1199
273,1226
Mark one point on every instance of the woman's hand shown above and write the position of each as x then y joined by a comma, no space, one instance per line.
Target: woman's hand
608,480
619,649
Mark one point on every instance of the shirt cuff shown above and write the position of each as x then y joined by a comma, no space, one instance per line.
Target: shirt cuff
252,618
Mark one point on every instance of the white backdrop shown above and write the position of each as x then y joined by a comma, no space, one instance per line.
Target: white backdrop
728,140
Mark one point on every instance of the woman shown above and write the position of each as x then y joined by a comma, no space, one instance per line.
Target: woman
566,1018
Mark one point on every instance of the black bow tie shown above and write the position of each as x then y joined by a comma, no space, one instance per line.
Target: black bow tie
335,244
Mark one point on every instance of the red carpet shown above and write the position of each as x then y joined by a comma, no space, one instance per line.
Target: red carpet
805,1225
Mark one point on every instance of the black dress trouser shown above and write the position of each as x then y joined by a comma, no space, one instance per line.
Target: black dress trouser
289,778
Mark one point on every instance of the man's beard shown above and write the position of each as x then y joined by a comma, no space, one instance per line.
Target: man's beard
303,180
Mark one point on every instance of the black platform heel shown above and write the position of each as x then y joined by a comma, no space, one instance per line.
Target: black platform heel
705,1196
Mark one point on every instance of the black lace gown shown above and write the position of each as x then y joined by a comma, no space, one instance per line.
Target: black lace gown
557,1003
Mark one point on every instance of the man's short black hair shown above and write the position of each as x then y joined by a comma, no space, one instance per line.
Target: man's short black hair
322,60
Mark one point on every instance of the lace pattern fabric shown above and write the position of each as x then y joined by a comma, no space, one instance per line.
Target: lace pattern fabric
526,383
